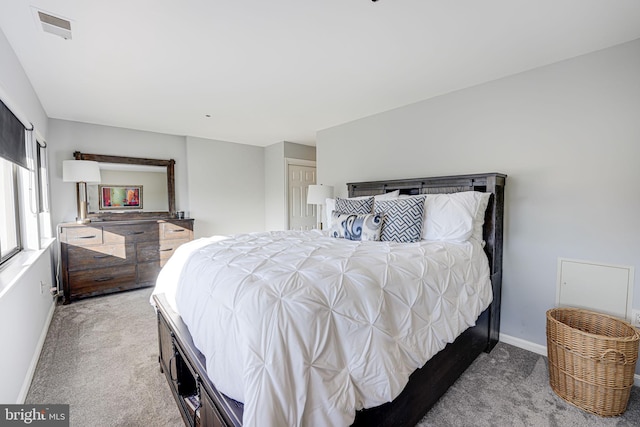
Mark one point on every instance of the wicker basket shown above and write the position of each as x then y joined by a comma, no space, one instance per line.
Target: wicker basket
592,359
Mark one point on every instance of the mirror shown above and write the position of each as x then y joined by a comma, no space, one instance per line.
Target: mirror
149,183
131,188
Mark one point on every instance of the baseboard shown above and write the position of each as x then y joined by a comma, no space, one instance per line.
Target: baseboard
541,350
36,357
527,345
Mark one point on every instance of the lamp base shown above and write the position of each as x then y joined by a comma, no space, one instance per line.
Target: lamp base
82,214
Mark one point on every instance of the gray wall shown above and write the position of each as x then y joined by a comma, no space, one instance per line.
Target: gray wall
299,151
274,179
65,137
275,160
567,135
226,186
220,184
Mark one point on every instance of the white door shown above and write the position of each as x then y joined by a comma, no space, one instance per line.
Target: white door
301,215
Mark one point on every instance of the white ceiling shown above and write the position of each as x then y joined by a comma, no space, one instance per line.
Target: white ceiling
280,70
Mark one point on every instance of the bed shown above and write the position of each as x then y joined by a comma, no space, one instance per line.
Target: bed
267,390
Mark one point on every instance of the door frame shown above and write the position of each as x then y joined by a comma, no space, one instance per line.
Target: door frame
297,162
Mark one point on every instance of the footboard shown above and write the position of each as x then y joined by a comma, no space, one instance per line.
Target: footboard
199,402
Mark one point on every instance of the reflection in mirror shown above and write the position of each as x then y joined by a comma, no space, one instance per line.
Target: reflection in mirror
152,179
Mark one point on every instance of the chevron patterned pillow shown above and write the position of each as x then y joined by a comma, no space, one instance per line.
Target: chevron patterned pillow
402,219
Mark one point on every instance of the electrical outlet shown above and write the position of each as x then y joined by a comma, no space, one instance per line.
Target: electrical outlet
635,318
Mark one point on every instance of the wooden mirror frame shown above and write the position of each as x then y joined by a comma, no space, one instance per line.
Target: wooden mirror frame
171,185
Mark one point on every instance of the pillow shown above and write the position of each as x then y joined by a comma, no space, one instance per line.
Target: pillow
455,217
330,204
478,218
403,219
360,206
384,196
356,227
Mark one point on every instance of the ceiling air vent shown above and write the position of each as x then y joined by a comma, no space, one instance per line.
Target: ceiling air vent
54,25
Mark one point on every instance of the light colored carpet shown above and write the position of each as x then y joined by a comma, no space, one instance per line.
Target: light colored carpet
101,357
510,387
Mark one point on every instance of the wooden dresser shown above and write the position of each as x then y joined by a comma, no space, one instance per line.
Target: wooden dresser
112,256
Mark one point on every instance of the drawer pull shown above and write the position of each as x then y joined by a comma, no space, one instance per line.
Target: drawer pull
173,356
134,233
166,250
101,256
103,279
87,237
176,231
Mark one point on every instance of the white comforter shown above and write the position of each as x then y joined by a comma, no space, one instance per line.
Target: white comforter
305,329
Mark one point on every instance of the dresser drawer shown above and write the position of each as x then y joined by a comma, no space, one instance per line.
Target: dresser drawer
169,231
131,233
86,282
153,251
111,256
82,236
148,272
83,258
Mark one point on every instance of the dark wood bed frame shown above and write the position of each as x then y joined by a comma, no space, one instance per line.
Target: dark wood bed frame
185,368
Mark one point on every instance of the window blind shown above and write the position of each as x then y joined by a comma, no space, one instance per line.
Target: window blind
12,138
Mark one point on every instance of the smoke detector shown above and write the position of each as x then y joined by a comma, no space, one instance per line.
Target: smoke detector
54,24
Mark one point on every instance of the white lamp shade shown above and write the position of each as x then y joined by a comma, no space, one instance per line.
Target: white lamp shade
81,171
318,194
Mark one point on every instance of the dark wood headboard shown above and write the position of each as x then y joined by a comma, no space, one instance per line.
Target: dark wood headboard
493,224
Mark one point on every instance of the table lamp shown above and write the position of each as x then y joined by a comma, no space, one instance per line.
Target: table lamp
81,172
317,195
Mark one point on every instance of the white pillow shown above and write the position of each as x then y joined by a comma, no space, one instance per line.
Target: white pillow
330,204
478,219
455,217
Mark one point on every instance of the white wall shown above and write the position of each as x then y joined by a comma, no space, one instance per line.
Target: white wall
226,187
26,308
567,135
24,311
15,85
65,137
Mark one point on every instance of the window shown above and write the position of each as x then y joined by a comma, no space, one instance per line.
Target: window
41,177
13,154
9,221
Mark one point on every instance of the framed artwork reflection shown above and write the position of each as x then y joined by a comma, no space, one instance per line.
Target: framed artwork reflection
120,197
